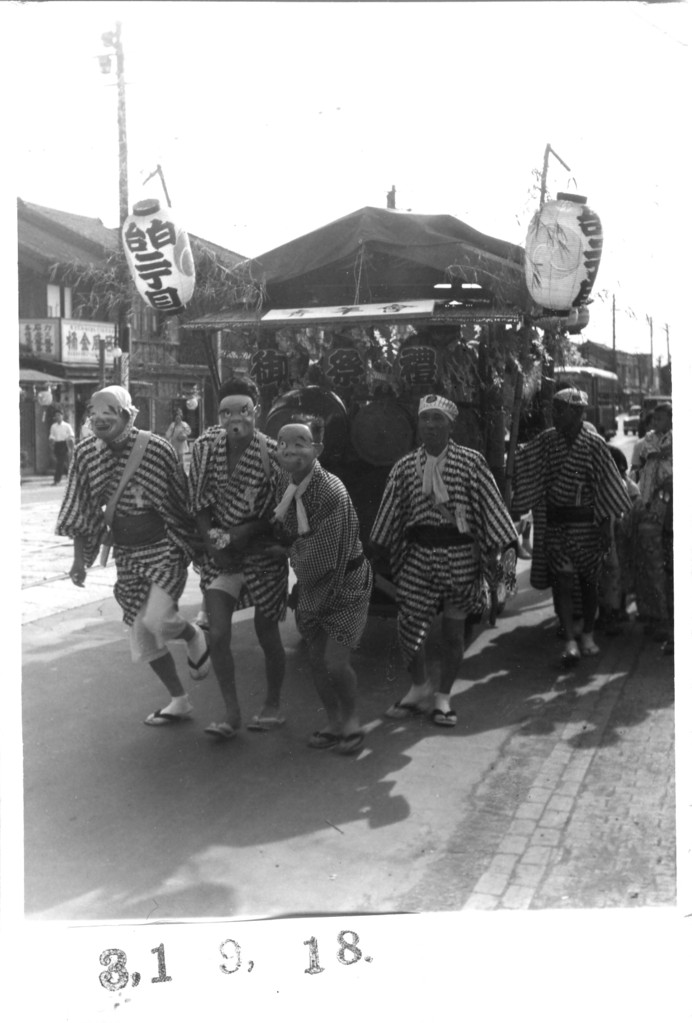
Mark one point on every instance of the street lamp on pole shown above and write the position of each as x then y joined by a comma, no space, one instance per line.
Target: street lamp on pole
113,41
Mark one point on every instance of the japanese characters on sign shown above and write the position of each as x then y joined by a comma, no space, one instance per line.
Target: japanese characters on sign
159,257
393,310
563,252
73,341
416,367
269,367
40,337
81,341
344,368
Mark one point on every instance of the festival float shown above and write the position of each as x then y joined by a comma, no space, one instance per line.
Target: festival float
360,318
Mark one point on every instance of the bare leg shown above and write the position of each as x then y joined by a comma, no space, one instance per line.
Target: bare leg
338,660
589,594
325,690
452,652
269,637
165,669
562,594
220,607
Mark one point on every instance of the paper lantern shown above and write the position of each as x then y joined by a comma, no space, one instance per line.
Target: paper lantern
159,257
563,252
192,404
45,397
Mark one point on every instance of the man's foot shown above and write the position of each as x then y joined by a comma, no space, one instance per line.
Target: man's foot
222,731
588,647
350,743
179,709
266,721
198,655
324,740
571,654
443,718
403,709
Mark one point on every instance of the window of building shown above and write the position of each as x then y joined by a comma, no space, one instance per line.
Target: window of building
53,300
58,301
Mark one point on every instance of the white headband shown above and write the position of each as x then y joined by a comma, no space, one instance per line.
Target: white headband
435,402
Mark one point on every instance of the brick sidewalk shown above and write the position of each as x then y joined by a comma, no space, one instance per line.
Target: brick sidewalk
579,811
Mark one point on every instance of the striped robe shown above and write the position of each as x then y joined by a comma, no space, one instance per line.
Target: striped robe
329,597
581,474
426,577
245,495
158,484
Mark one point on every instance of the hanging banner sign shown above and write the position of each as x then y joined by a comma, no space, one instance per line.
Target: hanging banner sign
388,311
159,257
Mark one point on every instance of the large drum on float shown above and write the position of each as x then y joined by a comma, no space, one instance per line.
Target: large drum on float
313,401
383,431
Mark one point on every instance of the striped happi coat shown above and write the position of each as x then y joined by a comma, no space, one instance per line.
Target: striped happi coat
157,484
331,596
245,495
584,473
426,577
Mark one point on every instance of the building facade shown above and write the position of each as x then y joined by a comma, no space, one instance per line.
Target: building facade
64,355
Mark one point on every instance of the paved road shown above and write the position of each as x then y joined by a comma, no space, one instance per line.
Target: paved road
554,791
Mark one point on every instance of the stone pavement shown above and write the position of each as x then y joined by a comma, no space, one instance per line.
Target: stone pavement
579,809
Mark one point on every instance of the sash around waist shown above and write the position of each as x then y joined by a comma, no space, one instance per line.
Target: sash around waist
136,530
556,514
438,536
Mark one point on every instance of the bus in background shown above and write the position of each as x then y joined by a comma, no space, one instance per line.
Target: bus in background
601,387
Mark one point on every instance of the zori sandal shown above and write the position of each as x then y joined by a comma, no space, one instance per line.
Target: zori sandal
350,743
160,717
323,740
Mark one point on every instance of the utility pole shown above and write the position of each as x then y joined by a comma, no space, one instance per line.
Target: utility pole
615,356
650,321
121,368
667,344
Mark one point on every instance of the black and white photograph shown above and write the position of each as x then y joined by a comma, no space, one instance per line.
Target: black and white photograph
346,626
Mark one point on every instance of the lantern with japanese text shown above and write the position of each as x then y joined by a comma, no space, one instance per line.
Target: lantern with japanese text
159,257
563,252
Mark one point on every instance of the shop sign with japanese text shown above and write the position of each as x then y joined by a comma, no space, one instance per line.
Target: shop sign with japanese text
40,338
81,340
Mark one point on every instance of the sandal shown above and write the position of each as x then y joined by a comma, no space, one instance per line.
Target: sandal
350,743
401,710
323,740
222,731
160,717
266,724
443,718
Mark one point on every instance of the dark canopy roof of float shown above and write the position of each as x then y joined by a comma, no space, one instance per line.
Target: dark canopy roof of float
375,255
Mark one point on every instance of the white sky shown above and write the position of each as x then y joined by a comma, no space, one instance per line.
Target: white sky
270,120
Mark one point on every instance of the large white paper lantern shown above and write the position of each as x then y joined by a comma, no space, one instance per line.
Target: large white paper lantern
159,257
45,397
563,253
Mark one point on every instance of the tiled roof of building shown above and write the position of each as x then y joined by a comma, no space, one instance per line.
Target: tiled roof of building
79,239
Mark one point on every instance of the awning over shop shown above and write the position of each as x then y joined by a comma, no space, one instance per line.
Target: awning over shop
34,376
